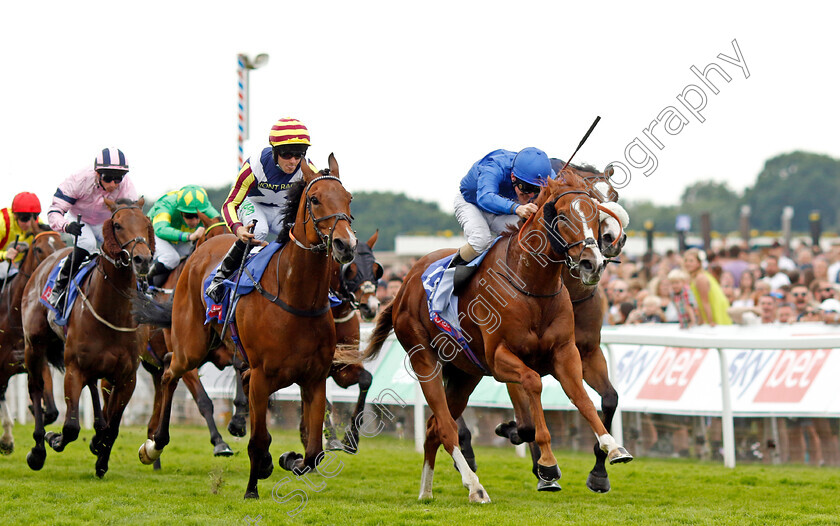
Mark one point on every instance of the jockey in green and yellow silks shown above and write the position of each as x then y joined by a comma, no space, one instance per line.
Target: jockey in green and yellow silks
175,220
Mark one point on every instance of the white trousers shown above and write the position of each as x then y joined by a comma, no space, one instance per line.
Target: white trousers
169,253
480,227
269,218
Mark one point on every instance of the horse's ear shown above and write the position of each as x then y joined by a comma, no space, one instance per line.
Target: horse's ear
111,204
204,218
333,165
309,172
373,238
110,245
140,202
151,236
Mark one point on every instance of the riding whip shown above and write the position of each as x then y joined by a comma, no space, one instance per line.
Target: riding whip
72,262
232,301
595,123
6,277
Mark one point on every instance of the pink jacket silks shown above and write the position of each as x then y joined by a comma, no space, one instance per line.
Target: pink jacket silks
81,194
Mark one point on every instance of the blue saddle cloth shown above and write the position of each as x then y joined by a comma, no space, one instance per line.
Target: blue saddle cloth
443,306
72,288
255,265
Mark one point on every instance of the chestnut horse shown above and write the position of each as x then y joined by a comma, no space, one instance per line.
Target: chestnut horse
588,314
518,339
152,356
294,343
101,340
355,285
36,249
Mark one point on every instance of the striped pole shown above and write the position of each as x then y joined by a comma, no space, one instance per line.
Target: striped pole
242,73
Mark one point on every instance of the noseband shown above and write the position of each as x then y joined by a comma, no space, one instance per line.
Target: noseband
326,239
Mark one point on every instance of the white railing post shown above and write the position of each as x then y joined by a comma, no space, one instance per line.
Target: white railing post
419,419
727,420
617,430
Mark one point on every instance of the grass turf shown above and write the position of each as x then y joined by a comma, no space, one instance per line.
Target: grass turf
380,484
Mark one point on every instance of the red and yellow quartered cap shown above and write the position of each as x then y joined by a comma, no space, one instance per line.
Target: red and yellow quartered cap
288,131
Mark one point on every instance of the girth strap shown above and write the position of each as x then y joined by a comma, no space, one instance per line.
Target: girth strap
285,306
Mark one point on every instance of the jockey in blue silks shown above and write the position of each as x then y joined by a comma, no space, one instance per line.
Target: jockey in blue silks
497,192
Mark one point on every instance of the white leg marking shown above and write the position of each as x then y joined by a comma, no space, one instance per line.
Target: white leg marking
8,423
607,443
426,481
469,478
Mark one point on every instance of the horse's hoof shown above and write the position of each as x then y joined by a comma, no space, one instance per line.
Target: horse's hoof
222,450
335,445
7,449
156,465
267,467
35,459
288,460
252,494
598,483
100,472
50,417
236,428
619,455
54,440
544,485
480,496
94,446
147,453
548,473
508,430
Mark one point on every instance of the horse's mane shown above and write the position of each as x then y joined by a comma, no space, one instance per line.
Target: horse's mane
290,211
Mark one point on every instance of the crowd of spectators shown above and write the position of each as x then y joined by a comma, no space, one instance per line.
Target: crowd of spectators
731,285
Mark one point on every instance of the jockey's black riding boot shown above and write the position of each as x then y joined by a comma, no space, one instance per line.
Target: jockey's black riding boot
64,274
229,265
157,275
463,274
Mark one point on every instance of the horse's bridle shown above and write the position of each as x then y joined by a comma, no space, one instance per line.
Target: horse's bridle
117,262
326,239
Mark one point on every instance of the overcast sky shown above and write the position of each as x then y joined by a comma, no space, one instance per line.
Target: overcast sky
409,95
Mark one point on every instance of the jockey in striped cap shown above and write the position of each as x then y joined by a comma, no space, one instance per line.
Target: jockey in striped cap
259,192
84,193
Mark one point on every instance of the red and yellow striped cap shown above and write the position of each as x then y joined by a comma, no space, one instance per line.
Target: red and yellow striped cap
288,131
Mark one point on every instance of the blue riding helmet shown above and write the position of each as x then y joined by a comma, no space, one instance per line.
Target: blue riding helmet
532,166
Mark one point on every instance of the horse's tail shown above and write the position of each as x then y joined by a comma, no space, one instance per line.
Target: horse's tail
147,310
384,324
347,354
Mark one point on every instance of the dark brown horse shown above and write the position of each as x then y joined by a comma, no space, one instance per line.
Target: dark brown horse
101,341
518,338
152,356
355,285
286,329
36,248
588,314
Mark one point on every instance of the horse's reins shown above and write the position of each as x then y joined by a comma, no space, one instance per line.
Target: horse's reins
324,246
118,264
211,227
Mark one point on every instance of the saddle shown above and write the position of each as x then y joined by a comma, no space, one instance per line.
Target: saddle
72,287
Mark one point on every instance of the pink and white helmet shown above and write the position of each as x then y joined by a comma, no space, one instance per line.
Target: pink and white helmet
110,159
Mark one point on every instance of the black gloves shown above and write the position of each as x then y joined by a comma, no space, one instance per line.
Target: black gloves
73,228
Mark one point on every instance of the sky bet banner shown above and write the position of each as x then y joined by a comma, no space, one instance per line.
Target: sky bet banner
675,380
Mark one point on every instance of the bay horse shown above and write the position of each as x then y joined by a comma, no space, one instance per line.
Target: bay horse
518,339
36,249
101,338
152,356
588,315
294,343
355,285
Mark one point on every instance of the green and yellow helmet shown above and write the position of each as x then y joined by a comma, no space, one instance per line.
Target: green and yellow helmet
191,199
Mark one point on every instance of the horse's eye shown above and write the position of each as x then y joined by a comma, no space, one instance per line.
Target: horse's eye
314,200
117,226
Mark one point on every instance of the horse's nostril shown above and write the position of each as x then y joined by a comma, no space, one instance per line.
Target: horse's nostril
608,238
587,265
339,245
